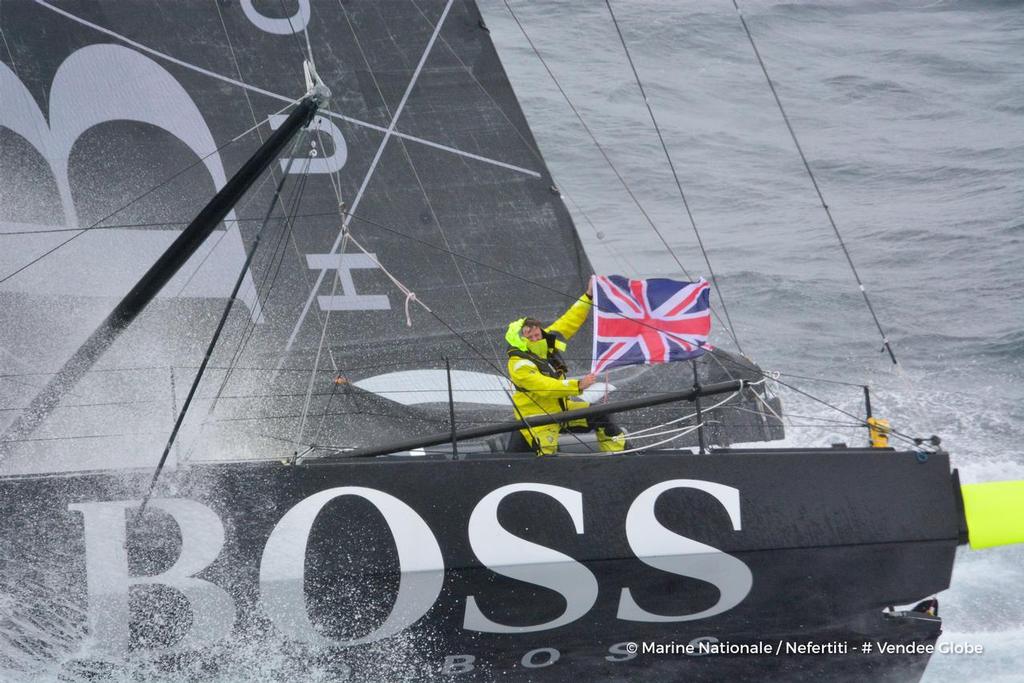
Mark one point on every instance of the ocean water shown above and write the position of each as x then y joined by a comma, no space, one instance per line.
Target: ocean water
911,115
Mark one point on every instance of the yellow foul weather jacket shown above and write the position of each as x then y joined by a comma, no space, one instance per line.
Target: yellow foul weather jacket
536,369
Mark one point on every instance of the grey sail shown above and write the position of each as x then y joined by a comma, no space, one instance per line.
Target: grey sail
443,186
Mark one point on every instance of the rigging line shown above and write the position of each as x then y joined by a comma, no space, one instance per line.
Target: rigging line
238,70
411,296
336,185
327,408
643,433
273,170
774,374
248,99
282,98
316,363
768,406
526,143
335,180
373,167
714,356
305,29
223,233
270,276
300,256
819,379
71,437
323,337
335,177
148,192
112,226
827,420
250,326
660,443
572,297
216,336
600,147
433,213
675,176
860,421
886,346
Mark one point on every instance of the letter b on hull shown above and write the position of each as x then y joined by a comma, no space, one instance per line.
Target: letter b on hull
108,580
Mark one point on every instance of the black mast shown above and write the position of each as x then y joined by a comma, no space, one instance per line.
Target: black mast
165,268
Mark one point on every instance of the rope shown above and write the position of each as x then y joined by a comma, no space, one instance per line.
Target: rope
641,432
886,346
410,297
675,176
327,408
659,443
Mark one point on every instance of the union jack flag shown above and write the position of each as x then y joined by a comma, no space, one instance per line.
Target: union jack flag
644,322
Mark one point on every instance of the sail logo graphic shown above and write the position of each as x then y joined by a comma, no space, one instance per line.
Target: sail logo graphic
95,85
315,163
349,299
282,576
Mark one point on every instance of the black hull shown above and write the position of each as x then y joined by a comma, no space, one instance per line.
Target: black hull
798,547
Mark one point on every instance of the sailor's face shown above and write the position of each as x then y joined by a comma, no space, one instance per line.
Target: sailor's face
531,333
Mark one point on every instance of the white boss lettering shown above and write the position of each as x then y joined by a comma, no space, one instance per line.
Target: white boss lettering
519,559
296,23
317,164
282,569
662,549
108,581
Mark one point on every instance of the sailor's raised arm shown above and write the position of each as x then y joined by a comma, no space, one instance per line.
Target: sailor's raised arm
573,319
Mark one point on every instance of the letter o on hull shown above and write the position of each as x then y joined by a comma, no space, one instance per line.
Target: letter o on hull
282,568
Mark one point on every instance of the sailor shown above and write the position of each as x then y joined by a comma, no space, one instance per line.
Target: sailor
538,373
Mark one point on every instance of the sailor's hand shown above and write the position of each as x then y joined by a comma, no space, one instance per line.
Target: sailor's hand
587,380
590,288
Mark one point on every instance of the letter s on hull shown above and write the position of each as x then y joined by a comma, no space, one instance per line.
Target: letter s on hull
282,569
662,549
522,560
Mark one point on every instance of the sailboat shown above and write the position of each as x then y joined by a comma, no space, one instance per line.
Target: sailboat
338,490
